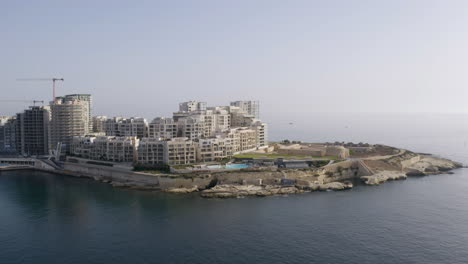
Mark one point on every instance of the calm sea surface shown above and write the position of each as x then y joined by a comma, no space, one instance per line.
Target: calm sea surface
45,218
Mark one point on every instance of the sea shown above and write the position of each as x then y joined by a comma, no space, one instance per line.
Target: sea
48,218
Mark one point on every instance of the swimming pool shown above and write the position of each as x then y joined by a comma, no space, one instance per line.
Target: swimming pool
229,166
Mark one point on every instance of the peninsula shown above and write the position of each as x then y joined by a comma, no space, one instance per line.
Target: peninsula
260,174
219,151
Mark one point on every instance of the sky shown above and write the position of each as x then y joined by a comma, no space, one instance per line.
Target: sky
141,58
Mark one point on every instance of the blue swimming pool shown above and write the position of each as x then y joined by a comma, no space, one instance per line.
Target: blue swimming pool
229,166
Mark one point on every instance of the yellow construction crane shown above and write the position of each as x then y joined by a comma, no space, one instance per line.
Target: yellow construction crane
44,79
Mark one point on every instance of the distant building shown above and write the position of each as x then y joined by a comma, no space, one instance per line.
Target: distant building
106,148
32,131
214,149
196,133
99,123
250,107
85,98
176,151
191,127
8,135
191,106
161,127
126,127
68,119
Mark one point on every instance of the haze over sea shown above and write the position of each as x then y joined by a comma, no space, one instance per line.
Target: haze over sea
47,218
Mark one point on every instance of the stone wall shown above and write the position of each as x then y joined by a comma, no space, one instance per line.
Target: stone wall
345,170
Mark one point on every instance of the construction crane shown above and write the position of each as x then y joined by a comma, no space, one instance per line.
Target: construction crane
45,79
22,101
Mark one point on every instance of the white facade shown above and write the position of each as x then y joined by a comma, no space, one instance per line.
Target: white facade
68,119
126,127
191,106
162,127
176,151
106,148
250,107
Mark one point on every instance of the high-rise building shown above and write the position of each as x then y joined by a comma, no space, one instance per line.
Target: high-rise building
32,131
89,102
250,107
69,118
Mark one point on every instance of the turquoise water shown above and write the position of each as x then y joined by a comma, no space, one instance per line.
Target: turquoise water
229,166
46,218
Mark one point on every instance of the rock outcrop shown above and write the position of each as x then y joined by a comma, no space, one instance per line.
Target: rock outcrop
183,190
232,191
430,165
382,177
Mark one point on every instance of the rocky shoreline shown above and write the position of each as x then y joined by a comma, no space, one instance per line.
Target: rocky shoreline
376,171
370,170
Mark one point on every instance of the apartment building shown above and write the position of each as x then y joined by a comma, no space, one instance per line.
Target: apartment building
106,148
162,127
126,127
214,149
87,98
8,135
68,119
249,107
192,106
176,151
32,131
99,124
191,127
196,133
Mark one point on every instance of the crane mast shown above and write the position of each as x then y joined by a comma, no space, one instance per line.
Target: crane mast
45,79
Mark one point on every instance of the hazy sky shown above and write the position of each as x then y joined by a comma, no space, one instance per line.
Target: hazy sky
140,58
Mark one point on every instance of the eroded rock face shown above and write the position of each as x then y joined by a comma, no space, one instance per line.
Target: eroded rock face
335,186
382,177
183,190
232,191
431,165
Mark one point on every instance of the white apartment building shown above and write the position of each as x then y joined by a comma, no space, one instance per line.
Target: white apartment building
250,107
107,148
261,133
213,149
87,98
191,127
126,127
196,133
99,123
162,127
176,151
191,106
68,119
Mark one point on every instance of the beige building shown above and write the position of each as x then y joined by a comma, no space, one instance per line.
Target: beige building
214,149
249,107
191,127
99,123
176,151
68,119
126,127
107,148
162,127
